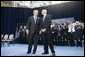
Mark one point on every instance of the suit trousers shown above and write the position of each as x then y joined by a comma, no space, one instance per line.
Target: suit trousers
47,41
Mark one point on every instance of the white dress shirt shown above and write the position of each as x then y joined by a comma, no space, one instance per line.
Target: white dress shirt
35,18
44,17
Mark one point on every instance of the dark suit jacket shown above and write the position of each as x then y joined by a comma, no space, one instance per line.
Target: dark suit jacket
47,22
32,26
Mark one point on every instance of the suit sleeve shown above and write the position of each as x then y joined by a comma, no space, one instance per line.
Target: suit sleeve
40,23
29,23
49,22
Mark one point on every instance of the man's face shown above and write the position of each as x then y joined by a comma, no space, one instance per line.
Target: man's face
44,12
35,12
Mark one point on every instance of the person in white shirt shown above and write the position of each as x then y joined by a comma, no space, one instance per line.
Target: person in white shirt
71,32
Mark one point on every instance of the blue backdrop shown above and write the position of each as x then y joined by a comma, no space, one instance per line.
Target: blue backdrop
10,16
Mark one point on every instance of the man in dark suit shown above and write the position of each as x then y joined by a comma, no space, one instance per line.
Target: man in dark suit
59,35
78,35
46,33
64,34
33,28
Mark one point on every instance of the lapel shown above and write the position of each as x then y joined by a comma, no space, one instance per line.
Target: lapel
34,20
37,20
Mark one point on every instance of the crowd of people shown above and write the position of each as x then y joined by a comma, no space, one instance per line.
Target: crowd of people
61,34
68,34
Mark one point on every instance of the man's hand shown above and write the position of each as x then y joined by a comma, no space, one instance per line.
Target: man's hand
27,31
53,32
43,30
23,30
39,32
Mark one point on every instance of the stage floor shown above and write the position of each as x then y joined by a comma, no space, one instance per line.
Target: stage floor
21,49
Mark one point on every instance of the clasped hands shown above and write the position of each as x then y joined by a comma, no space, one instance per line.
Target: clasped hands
42,30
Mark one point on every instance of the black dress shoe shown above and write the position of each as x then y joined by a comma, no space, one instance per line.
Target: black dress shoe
33,53
53,54
44,53
28,52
